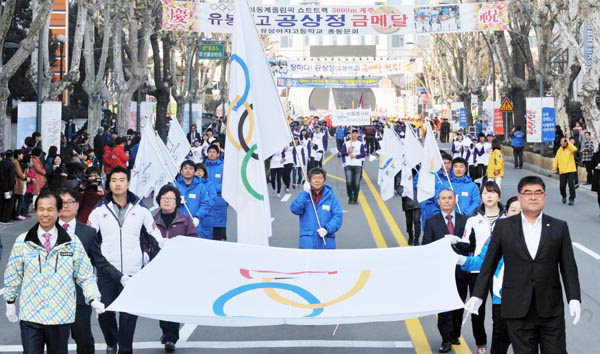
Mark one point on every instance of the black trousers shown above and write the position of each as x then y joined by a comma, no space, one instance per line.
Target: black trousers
532,333
500,339
81,330
339,143
170,331
276,176
287,174
518,154
371,146
219,233
449,322
589,169
568,178
413,218
477,321
35,335
121,333
7,207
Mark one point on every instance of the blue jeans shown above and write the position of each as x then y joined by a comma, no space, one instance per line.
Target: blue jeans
353,177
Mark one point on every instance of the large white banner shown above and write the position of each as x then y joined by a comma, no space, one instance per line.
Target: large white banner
533,117
487,115
343,117
51,124
299,68
339,19
26,122
260,286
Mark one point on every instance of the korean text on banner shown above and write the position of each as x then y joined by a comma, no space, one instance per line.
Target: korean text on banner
339,19
51,125
533,117
548,120
256,129
260,286
351,117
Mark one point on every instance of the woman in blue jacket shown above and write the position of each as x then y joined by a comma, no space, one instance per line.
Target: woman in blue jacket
329,210
217,217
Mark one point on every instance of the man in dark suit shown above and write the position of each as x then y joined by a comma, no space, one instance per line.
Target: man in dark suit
81,330
193,135
70,130
438,226
535,247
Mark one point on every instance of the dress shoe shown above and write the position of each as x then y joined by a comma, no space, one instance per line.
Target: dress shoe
169,347
111,350
446,347
410,240
564,200
416,241
455,341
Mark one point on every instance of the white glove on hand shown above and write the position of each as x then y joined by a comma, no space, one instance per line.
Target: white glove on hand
322,232
11,313
472,307
575,310
98,307
306,187
196,221
124,280
461,260
453,239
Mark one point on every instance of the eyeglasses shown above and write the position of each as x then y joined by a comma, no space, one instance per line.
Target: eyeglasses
69,202
170,199
529,195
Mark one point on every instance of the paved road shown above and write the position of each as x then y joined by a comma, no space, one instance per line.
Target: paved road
373,223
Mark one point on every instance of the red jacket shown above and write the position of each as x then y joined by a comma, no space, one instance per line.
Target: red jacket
119,157
107,160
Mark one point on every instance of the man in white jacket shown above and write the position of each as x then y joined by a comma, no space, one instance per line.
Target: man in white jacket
123,225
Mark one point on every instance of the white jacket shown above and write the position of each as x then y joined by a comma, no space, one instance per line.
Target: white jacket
480,225
121,243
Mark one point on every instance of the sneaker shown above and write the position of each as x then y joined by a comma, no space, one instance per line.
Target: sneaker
564,200
21,217
577,186
571,202
287,190
481,349
278,195
169,347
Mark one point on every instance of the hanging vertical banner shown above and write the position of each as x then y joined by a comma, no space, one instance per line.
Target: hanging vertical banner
487,115
498,122
196,117
146,110
26,121
533,116
548,119
51,124
339,20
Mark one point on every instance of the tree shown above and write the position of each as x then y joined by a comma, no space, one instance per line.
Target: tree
26,47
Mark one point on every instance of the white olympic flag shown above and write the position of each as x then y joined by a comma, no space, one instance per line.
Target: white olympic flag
260,286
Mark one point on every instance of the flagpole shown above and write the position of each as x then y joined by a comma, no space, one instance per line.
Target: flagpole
163,164
304,172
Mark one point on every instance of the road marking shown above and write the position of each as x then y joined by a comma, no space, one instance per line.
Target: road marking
186,332
328,159
336,178
594,255
377,235
286,198
250,344
387,215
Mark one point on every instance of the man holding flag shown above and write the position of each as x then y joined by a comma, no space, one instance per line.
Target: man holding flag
256,129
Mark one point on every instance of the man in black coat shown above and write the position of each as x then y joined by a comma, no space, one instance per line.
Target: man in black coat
537,252
99,146
193,135
70,130
8,176
81,329
448,222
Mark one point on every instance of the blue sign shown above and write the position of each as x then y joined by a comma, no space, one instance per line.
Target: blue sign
463,118
548,124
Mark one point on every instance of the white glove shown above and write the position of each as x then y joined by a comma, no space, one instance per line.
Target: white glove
322,232
98,307
574,309
472,307
162,241
125,279
461,260
11,313
453,239
196,221
306,187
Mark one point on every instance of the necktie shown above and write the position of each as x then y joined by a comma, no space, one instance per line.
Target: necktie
450,224
47,245
66,227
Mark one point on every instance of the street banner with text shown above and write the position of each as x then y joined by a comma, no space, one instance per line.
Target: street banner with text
351,117
339,19
259,286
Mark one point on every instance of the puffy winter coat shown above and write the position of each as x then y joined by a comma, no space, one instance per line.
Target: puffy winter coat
330,215
182,225
122,241
430,206
467,194
200,197
475,263
119,157
495,163
218,214
40,174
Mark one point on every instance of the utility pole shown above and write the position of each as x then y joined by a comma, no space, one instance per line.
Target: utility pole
39,101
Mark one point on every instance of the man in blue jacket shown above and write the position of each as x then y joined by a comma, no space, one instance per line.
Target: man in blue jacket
467,192
317,234
518,143
218,214
430,206
198,195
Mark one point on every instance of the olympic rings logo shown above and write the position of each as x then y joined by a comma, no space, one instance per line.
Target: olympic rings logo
242,140
270,287
222,7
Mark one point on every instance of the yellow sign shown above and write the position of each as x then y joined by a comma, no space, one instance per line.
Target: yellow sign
506,106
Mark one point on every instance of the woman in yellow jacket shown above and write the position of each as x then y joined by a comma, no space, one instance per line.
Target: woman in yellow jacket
495,171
